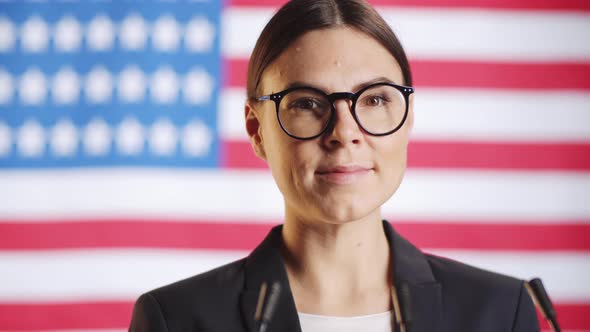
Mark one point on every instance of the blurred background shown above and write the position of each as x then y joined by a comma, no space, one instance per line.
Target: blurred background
124,164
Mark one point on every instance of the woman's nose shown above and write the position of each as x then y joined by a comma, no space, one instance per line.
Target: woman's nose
344,129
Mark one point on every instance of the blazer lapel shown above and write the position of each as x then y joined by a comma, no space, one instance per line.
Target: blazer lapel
411,268
265,265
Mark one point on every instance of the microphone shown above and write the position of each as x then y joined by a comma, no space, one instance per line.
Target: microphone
402,306
405,300
266,308
539,295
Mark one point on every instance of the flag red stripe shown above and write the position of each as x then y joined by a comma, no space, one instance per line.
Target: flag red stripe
130,234
58,316
570,317
447,154
471,74
117,315
201,234
527,156
578,5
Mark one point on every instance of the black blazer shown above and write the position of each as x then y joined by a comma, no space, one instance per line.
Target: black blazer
446,296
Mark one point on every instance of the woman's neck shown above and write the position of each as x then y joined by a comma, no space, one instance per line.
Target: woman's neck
338,269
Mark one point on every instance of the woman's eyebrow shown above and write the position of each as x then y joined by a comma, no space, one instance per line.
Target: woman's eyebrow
381,79
300,84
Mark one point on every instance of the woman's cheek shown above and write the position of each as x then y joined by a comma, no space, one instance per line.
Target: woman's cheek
286,168
393,163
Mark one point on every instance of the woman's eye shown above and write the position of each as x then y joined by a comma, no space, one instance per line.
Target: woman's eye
374,101
306,104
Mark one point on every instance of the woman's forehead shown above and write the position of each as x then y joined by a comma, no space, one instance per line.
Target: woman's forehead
334,58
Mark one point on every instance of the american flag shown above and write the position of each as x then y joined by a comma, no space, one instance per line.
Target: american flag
124,163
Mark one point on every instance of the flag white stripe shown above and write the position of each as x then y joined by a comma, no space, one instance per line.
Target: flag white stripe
564,274
481,115
73,275
455,34
94,275
211,194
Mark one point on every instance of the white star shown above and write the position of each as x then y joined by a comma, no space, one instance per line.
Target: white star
166,34
99,85
164,86
131,85
31,139
196,139
33,87
34,34
68,34
65,86
101,33
97,138
64,138
6,87
133,33
7,34
199,35
163,137
5,139
130,137
198,87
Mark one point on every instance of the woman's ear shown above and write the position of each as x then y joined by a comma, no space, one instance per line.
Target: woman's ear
254,130
411,112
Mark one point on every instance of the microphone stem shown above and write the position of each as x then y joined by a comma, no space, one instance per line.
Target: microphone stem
540,299
397,311
553,326
263,327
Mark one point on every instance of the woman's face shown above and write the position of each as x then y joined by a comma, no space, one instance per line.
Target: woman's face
346,174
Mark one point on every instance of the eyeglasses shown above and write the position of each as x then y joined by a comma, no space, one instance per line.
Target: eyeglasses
305,113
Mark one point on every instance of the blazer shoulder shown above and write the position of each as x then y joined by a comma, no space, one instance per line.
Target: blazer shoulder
449,271
199,302
215,282
473,292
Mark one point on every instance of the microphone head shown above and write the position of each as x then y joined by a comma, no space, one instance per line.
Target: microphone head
405,299
540,293
271,304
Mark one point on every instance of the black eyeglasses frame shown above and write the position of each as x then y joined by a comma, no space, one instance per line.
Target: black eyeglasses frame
352,96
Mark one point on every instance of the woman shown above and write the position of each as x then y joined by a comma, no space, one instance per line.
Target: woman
330,110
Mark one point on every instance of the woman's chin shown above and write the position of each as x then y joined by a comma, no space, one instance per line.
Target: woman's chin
346,213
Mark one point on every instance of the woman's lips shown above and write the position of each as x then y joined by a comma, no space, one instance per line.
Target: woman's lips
343,174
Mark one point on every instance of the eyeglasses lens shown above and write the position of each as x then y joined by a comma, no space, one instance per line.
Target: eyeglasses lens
304,113
380,109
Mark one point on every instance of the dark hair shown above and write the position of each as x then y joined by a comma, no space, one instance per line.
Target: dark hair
297,17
